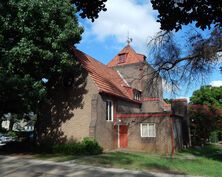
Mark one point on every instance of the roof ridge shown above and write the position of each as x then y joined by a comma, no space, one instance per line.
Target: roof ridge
91,57
113,70
131,57
96,61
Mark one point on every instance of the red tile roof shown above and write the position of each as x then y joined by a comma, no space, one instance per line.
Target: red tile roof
106,79
180,100
166,106
130,57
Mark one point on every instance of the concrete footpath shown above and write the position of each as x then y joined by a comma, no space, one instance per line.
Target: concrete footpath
22,166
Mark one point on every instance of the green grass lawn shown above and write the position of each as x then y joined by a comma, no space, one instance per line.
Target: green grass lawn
205,161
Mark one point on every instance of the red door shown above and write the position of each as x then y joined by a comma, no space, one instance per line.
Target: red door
123,136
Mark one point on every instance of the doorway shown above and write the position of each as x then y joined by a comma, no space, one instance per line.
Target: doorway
123,136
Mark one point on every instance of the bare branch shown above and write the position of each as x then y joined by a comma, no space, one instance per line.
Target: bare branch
203,56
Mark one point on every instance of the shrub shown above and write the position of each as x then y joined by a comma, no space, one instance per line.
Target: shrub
69,148
91,146
86,147
12,134
214,136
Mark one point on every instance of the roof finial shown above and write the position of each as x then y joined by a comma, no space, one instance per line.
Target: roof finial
129,39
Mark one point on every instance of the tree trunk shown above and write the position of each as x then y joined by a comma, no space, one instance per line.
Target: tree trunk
11,123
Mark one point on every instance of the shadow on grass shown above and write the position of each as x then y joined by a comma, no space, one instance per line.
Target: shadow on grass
19,147
27,168
111,159
57,157
210,151
106,159
161,168
131,161
217,157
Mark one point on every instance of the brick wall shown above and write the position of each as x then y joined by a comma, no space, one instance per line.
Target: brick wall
152,106
127,107
101,128
139,76
180,111
161,144
78,126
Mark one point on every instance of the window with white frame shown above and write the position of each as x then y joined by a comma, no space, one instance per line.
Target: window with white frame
137,95
109,110
148,129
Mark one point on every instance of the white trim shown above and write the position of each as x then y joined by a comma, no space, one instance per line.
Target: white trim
148,132
110,119
118,136
111,111
123,78
141,130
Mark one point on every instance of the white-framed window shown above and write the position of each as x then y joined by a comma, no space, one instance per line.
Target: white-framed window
109,110
137,95
148,129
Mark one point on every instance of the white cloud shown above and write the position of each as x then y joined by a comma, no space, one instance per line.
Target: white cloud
216,83
123,17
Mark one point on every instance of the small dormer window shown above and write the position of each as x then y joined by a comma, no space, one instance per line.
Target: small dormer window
122,58
137,95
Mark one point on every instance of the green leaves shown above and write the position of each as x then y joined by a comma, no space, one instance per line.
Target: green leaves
205,112
89,8
208,95
174,14
34,40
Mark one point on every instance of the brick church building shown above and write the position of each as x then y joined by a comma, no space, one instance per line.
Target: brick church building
123,107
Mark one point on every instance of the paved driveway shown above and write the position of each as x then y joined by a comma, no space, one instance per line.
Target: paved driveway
20,166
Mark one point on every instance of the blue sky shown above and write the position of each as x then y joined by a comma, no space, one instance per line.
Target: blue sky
104,38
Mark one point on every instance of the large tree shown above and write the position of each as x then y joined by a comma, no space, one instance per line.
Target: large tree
35,56
205,113
35,38
208,95
197,58
205,120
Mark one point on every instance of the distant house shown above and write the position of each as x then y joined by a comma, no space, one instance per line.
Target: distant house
11,123
19,126
123,107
